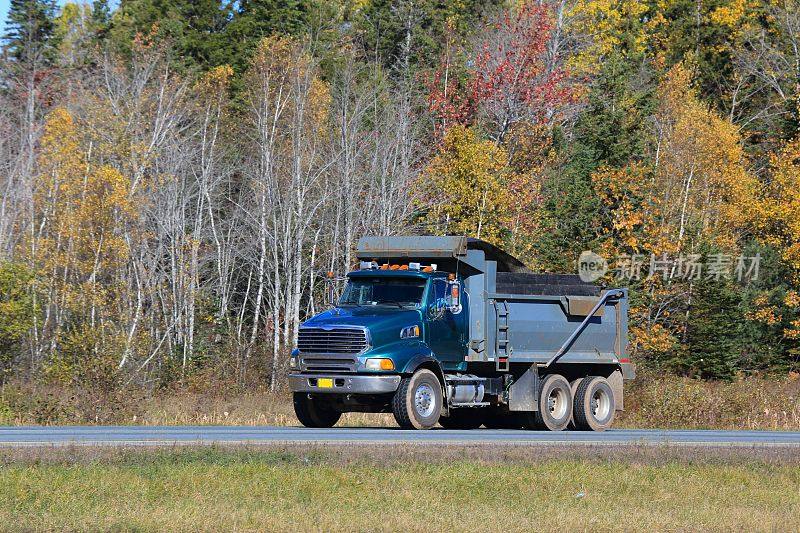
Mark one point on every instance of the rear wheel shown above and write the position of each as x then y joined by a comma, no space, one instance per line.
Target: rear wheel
594,404
467,418
573,386
555,404
313,413
417,403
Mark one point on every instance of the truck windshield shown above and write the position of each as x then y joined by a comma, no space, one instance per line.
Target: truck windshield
383,291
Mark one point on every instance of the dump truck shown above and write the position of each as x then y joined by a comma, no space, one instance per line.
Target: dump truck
455,331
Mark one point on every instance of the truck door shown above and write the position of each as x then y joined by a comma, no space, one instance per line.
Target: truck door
445,332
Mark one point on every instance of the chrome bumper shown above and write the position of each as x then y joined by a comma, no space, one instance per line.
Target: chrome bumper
343,384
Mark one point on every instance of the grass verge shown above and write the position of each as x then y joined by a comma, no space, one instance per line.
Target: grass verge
396,488
651,401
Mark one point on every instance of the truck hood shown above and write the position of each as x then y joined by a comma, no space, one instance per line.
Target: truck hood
372,317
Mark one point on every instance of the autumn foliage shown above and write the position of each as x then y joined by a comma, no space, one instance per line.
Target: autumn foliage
177,179
506,76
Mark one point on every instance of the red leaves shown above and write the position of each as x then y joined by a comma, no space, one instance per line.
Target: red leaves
509,76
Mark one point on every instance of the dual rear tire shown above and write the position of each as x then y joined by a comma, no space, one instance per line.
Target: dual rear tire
594,406
555,404
587,403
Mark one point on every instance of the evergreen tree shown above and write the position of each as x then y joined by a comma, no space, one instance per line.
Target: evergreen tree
769,313
101,18
30,28
703,33
612,132
713,344
398,30
252,20
192,27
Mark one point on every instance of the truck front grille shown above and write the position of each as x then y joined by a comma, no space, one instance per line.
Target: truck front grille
328,364
330,350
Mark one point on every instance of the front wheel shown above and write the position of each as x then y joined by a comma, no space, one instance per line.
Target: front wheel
313,413
417,403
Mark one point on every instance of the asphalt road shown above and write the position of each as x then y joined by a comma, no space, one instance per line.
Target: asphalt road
170,435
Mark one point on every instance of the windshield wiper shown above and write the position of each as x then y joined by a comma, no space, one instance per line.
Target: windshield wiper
401,305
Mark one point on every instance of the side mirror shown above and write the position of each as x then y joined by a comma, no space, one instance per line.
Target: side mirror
453,297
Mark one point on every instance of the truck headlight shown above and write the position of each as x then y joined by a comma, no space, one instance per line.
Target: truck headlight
293,362
380,364
409,332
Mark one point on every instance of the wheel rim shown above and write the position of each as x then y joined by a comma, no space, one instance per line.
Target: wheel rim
557,403
601,404
424,400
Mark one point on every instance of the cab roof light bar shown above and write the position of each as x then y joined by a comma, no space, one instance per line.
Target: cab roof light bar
416,267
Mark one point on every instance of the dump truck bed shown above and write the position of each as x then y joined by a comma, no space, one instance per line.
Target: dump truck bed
516,315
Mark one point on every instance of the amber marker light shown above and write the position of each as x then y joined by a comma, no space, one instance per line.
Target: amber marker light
380,364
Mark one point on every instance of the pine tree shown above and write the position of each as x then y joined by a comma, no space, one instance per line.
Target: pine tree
30,28
101,18
713,348
394,31
611,132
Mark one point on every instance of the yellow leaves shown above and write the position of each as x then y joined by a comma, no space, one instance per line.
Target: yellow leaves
729,15
608,22
654,338
218,78
215,83
273,60
792,299
82,212
779,210
282,70
319,102
625,193
793,332
701,173
59,144
768,315
465,186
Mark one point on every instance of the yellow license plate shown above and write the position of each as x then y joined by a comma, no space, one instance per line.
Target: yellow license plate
325,383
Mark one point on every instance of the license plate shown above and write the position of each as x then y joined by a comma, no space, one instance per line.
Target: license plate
325,383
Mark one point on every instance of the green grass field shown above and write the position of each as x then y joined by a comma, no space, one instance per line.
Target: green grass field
347,489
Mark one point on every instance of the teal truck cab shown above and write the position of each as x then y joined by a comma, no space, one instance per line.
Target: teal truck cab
455,331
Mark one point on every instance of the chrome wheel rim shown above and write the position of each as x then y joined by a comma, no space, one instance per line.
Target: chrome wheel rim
557,403
424,400
601,404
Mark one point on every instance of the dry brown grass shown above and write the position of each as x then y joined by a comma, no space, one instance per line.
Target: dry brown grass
651,402
749,403
262,409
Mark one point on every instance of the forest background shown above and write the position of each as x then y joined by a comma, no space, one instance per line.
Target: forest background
177,178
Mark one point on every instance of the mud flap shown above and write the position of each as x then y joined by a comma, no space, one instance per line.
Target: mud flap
523,394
